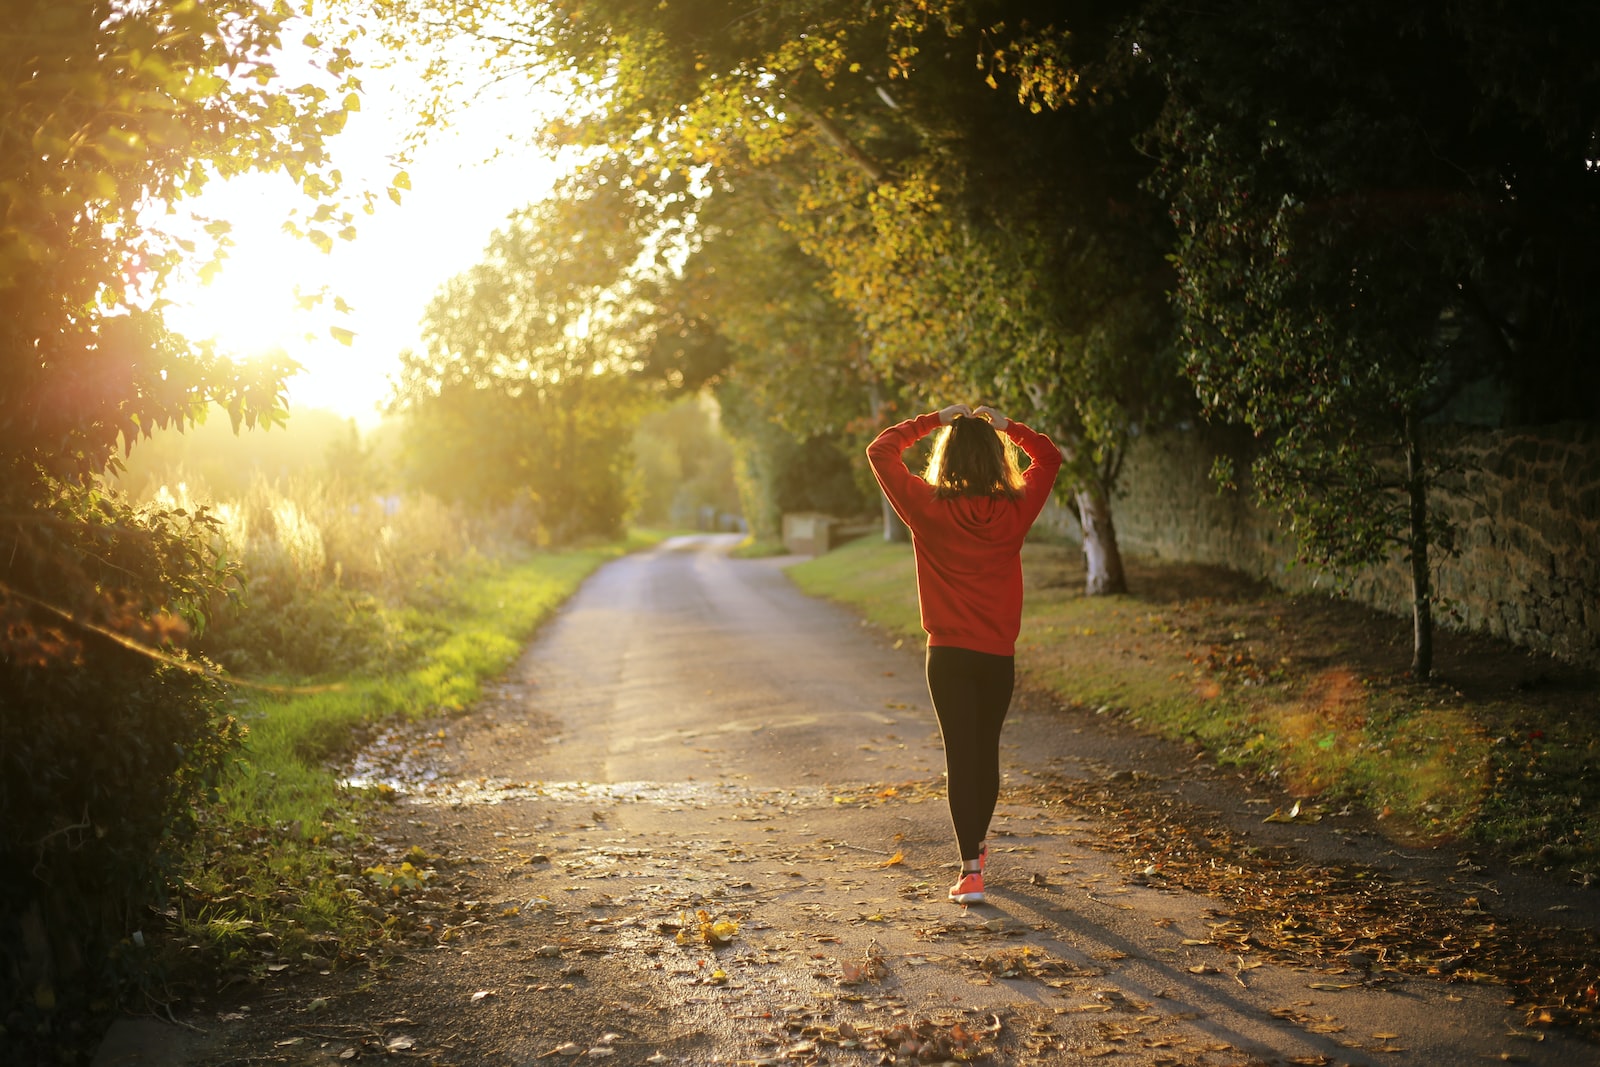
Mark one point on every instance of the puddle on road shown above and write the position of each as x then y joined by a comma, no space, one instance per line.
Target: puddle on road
400,761
435,791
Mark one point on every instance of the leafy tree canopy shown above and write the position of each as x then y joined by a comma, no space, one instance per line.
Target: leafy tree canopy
1374,210
529,381
986,239
108,112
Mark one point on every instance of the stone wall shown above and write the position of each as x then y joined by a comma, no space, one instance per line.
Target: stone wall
1526,504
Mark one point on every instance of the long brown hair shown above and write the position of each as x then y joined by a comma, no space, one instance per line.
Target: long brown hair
971,459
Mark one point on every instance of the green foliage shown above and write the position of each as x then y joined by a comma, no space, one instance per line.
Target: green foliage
102,748
779,471
525,394
683,464
333,577
326,575
794,353
99,764
120,107
1362,233
1373,216
1010,252
1374,208
934,236
796,394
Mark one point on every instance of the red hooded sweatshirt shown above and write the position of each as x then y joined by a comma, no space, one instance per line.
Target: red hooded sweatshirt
969,567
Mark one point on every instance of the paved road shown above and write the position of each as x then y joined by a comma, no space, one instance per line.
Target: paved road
682,661
691,735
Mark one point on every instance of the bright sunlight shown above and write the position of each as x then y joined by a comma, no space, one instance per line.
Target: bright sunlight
276,291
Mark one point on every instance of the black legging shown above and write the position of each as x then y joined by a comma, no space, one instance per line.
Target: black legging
971,693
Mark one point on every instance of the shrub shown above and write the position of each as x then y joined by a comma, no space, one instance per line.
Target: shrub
102,748
330,576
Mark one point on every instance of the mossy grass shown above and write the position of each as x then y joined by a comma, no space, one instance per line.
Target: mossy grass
1305,690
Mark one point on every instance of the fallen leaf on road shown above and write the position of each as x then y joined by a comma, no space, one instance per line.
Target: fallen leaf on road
568,1049
1294,814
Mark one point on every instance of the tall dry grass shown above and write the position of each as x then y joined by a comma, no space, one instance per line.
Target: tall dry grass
335,579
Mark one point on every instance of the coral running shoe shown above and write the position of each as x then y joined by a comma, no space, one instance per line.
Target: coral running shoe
969,890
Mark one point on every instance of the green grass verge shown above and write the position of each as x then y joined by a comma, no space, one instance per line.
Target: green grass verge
1289,688
271,876
751,548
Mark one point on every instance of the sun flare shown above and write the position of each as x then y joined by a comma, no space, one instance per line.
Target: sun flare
252,305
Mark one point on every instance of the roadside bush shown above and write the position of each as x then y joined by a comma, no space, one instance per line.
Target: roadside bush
331,577
102,760
103,749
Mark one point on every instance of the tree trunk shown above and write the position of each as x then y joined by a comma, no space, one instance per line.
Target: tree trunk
1421,580
1100,551
894,530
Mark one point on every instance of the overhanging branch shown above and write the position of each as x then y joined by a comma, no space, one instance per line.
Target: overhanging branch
839,140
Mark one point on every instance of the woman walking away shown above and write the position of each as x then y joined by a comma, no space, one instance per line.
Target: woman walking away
968,515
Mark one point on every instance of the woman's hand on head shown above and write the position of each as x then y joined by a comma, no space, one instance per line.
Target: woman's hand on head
948,415
998,420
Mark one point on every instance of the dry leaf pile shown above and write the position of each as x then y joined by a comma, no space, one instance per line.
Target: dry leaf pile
1354,922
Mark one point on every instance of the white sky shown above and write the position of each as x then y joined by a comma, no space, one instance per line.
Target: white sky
461,191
